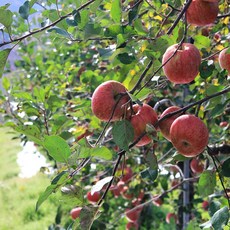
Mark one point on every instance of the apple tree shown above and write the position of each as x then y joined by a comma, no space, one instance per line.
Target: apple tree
130,102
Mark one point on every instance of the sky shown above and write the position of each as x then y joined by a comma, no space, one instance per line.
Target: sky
14,4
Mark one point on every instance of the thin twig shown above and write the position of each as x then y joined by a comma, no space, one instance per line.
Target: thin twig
141,78
179,17
221,180
191,105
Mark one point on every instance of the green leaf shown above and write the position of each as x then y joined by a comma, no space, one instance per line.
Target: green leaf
217,110
87,215
6,83
60,178
60,31
139,27
72,194
43,197
92,30
4,7
58,181
125,58
226,168
220,218
75,19
201,41
24,10
207,183
213,207
206,70
123,134
193,225
149,174
151,160
101,152
31,131
3,57
57,148
116,11
6,17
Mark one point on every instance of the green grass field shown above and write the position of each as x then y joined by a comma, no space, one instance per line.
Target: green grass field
18,196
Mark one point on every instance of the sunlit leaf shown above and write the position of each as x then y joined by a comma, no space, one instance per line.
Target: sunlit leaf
116,11
57,148
100,184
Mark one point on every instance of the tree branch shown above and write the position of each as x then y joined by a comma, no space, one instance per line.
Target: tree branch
182,110
179,17
46,27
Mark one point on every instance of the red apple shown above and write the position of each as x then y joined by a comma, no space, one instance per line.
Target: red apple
205,205
75,212
189,135
169,216
142,116
126,193
132,226
157,202
201,13
174,182
93,198
196,166
166,124
183,66
224,59
132,215
115,190
105,98
223,124
127,174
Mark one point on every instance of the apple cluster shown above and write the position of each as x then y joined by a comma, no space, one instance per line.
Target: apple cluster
188,133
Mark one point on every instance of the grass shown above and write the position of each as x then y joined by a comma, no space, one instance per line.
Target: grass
18,196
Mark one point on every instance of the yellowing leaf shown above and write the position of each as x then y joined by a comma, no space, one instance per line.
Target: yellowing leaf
226,21
132,72
158,18
219,47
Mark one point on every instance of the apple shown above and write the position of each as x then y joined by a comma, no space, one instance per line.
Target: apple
174,182
170,216
115,190
196,166
223,124
75,212
127,174
93,198
104,99
201,13
183,66
166,124
132,226
157,202
126,193
132,215
205,205
142,116
224,59
189,135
